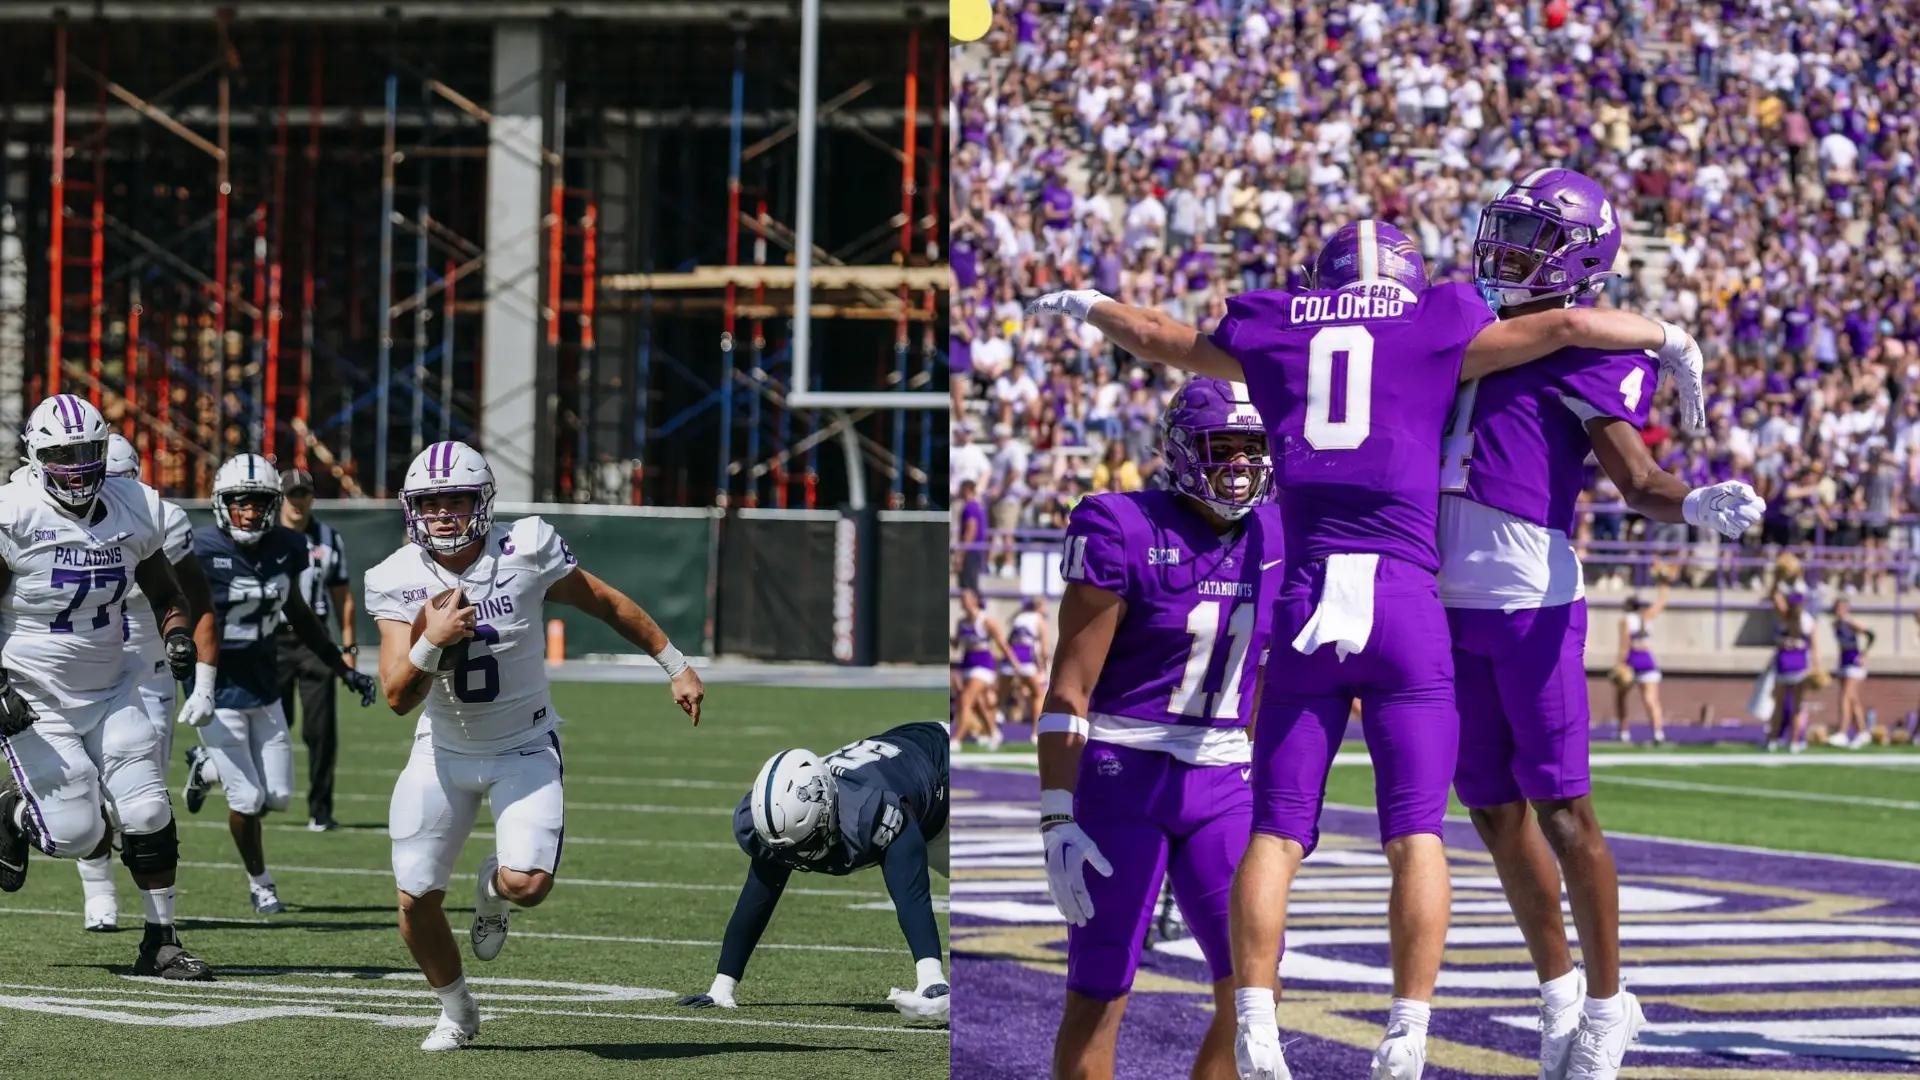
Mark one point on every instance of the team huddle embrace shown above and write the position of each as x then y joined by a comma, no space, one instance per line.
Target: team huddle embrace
1369,498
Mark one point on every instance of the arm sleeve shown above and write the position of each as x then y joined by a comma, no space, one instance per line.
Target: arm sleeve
1096,549
1617,386
905,868
751,913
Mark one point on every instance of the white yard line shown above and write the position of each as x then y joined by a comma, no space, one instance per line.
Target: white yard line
361,871
486,834
1761,793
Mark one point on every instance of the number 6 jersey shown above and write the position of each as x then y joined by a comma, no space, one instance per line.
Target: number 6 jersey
497,699
1179,676
62,614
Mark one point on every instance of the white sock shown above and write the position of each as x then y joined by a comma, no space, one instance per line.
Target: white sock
1562,993
491,886
929,972
1253,1004
722,987
1410,1013
96,876
159,903
261,880
456,1002
1606,1010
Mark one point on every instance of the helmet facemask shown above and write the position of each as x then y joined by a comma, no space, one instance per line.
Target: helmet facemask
73,473
265,501
471,525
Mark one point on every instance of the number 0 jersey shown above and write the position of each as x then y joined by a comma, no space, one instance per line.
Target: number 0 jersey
898,774
1186,654
250,585
62,614
497,699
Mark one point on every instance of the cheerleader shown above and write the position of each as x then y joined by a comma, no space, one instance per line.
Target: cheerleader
979,640
1854,641
1637,666
1028,659
1796,661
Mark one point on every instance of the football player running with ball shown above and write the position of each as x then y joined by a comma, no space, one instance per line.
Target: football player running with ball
72,729
477,656
154,681
877,802
253,565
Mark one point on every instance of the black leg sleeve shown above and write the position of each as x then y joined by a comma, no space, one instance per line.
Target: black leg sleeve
751,913
905,869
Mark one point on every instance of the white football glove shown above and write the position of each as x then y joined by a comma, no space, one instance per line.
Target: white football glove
1068,850
199,705
1257,1053
1073,303
1729,508
1682,364
935,1004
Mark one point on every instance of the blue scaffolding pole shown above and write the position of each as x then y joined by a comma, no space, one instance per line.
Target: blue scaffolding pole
722,484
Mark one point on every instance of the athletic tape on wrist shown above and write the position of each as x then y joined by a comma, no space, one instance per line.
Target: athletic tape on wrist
425,655
671,660
1059,723
1056,802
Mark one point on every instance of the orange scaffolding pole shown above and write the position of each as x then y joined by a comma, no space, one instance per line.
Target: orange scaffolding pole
133,358
303,401
556,204
56,268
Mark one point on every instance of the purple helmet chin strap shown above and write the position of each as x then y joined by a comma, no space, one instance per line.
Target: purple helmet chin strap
1204,408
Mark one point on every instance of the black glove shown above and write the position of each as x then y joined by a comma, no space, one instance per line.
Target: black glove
16,715
360,683
181,654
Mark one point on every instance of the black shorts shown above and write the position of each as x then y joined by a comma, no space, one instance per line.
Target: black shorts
972,565
1844,536
1776,532
1877,532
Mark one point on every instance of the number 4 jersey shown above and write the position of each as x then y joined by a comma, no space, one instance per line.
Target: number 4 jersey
62,614
250,585
497,699
1179,676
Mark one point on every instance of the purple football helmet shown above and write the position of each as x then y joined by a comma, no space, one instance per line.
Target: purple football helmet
1367,251
1201,409
1552,234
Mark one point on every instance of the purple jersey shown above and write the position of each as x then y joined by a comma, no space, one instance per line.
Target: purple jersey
1518,438
976,645
1354,385
1199,605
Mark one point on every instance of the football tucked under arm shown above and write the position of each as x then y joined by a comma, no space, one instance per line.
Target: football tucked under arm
455,654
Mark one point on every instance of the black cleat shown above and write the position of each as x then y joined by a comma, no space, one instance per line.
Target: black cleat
13,841
162,955
937,990
195,793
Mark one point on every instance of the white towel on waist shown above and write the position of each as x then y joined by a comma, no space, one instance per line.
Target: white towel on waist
1345,615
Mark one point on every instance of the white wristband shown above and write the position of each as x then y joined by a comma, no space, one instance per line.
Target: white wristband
425,655
1056,801
1059,723
671,660
204,677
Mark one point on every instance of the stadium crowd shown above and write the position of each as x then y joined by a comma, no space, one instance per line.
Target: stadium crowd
1761,154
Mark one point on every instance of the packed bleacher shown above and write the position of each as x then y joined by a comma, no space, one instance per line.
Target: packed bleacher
1761,156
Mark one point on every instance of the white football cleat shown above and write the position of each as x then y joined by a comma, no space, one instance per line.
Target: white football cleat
1598,1051
1557,1031
449,1034
1257,1054
103,913
1402,1055
489,915
933,1003
266,899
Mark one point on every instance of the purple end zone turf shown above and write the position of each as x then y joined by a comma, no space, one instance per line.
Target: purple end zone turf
1757,996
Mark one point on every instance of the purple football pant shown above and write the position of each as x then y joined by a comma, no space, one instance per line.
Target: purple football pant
1404,681
1153,815
1521,682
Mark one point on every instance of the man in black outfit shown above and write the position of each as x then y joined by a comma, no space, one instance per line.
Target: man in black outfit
324,587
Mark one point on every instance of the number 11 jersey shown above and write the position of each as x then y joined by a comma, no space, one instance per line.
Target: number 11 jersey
1199,610
497,699
1355,385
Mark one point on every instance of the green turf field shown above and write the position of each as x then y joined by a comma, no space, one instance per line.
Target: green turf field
587,981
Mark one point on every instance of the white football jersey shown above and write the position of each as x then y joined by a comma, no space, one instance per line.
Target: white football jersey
62,614
497,700
143,634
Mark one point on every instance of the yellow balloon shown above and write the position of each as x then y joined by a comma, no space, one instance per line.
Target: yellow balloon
968,20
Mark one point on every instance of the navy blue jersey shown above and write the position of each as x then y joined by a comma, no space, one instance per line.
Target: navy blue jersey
249,586
885,781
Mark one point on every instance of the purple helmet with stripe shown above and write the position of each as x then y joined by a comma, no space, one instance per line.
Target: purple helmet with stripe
1218,477
1367,251
1551,234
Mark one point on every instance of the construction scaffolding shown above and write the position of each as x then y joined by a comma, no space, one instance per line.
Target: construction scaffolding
249,233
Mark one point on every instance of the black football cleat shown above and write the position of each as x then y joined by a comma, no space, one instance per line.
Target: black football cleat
195,793
13,840
162,955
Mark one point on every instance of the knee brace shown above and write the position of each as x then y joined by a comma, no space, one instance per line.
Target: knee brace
154,852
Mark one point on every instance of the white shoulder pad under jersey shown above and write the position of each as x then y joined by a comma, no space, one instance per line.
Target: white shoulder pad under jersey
498,698
61,616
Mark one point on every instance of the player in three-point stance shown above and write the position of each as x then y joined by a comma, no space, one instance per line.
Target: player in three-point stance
880,801
156,684
487,732
1144,756
253,567
72,728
